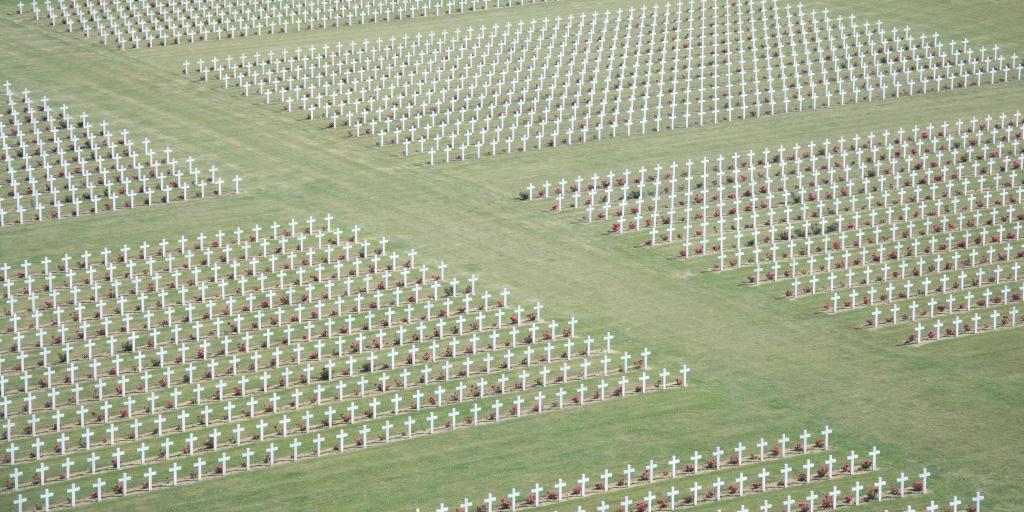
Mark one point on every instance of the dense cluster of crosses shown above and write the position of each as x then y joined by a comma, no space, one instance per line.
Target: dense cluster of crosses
141,367
59,165
665,501
472,92
919,226
740,466
830,498
137,24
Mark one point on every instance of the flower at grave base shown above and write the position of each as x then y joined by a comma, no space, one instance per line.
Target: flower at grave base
712,464
733,489
917,486
776,451
756,486
734,460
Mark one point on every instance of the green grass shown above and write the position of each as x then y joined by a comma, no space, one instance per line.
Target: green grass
762,365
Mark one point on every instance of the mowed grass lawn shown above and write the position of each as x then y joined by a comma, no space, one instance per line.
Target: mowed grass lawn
762,365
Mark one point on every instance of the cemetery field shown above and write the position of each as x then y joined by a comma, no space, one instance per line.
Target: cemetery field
761,364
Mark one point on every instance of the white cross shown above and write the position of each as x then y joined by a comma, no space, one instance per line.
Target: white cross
955,503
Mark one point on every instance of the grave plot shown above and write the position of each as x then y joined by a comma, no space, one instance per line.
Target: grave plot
474,92
139,368
132,24
652,501
676,484
859,494
918,227
59,165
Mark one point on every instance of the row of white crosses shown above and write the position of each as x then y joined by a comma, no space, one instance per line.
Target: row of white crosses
214,427
207,415
260,286
136,23
673,499
496,89
921,211
942,300
762,452
794,194
772,476
385,396
57,165
303,444
962,325
192,407
47,319
345,296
